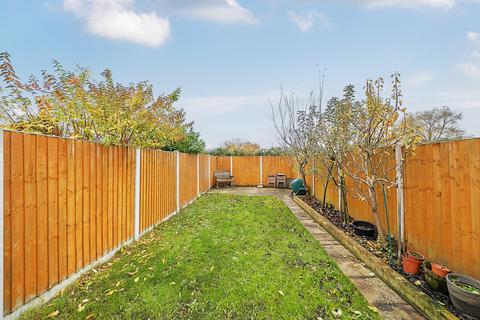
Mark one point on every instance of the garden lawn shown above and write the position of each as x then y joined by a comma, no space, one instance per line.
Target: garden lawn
223,257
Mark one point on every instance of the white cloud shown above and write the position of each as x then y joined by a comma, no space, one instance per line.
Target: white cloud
307,22
120,19
411,4
221,11
469,69
473,36
418,78
117,20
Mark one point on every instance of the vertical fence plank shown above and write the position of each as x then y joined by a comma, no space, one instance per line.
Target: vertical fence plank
7,223
92,197
29,149
98,200
79,203
42,214
474,169
62,209
52,145
71,243
86,203
18,222
105,158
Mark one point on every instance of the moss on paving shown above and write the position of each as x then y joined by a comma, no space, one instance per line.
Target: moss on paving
223,257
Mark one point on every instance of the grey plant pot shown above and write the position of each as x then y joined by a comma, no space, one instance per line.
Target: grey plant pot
464,301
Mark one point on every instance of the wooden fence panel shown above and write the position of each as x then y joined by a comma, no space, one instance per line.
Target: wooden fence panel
157,187
223,163
188,178
204,174
213,167
442,217
272,165
246,170
52,216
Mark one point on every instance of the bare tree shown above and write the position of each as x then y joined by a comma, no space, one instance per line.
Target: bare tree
335,135
296,125
439,124
378,125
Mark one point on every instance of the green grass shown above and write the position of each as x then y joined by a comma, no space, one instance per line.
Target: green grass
223,257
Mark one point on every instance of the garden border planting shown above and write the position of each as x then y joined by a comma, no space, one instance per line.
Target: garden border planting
417,298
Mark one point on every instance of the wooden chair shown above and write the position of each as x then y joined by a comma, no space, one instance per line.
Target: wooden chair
271,181
222,176
281,180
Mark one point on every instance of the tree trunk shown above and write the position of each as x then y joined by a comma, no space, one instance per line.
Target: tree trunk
343,191
326,187
373,199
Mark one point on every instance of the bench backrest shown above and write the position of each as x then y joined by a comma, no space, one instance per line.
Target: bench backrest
222,174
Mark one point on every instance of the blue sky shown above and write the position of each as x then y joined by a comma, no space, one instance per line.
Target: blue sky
231,56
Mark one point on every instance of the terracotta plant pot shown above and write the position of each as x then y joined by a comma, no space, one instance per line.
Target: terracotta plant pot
415,256
410,265
465,294
436,282
440,270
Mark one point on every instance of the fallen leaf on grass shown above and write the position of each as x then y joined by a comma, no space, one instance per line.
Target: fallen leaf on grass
90,316
81,307
136,279
53,314
109,293
132,273
281,292
337,313
373,309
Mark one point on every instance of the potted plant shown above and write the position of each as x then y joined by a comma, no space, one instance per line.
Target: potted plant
412,261
465,293
415,256
440,270
435,281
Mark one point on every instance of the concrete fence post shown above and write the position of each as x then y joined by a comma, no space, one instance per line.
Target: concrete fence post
178,179
198,174
136,219
1,224
231,165
261,170
400,199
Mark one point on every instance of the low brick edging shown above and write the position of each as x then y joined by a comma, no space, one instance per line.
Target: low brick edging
429,307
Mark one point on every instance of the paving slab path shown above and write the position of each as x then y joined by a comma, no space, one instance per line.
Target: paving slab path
378,294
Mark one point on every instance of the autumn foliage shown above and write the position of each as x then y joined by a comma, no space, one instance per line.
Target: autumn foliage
71,104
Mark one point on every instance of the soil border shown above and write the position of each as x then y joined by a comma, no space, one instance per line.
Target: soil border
429,307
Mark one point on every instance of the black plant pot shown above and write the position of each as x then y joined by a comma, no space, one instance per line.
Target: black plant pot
365,229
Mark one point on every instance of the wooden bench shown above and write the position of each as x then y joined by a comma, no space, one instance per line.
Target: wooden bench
225,177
